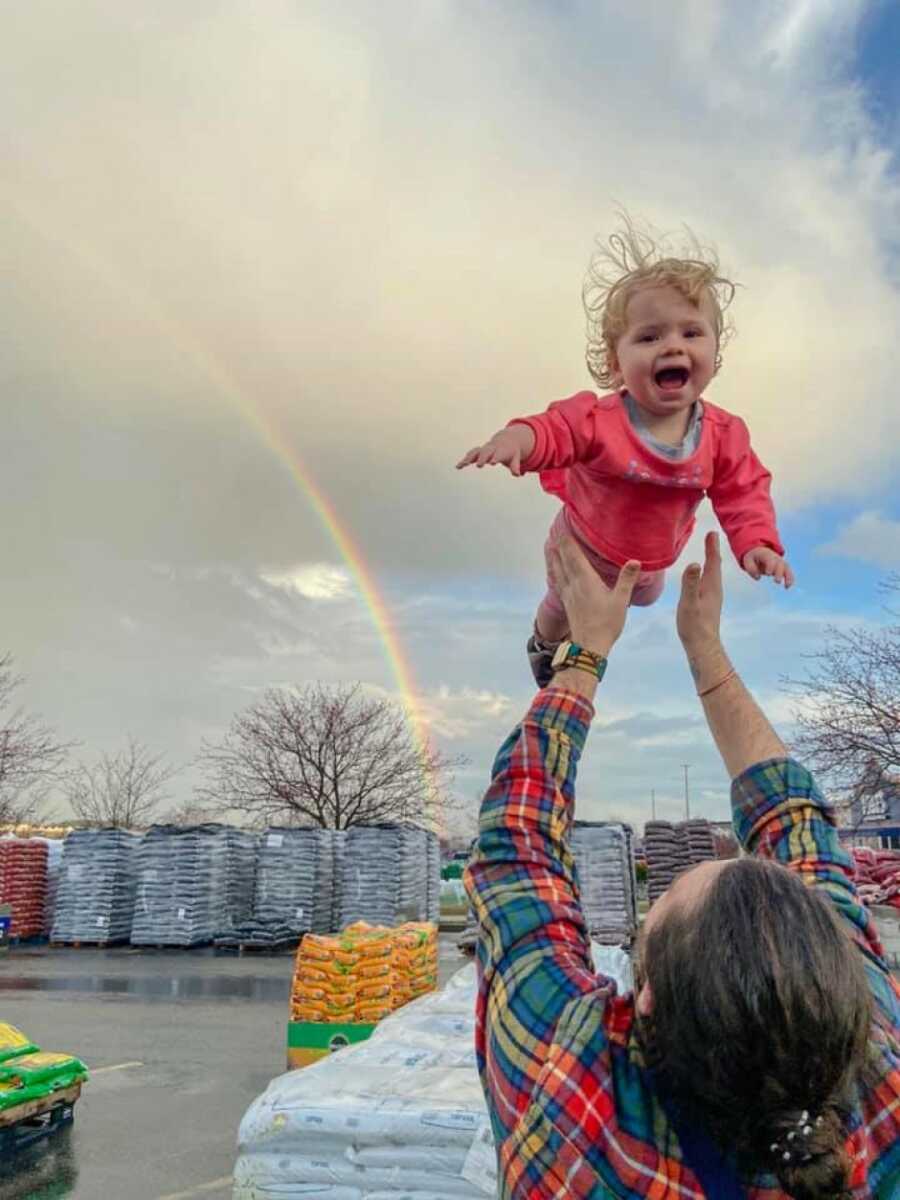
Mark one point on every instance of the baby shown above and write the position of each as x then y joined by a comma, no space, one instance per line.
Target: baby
632,466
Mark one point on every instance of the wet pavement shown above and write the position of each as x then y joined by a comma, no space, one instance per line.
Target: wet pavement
179,1044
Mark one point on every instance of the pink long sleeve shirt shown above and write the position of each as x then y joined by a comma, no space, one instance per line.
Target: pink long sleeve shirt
626,501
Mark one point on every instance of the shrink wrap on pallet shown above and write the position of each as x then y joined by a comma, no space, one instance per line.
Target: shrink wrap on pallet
97,879
192,883
604,861
398,1117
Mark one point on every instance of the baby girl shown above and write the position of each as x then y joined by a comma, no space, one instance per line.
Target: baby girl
632,466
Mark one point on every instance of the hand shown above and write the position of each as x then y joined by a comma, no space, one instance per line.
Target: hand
507,448
596,612
762,561
700,605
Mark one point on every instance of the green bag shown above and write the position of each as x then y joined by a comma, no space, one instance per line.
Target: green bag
36,1075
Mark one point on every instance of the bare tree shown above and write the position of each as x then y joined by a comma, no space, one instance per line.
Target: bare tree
849,705
330,757
192,812
122,790
31,758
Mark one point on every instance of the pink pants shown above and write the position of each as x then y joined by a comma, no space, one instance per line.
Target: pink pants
647,590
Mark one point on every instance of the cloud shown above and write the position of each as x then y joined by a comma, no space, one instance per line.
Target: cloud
869,538
456,715
352,237
801,25
314,581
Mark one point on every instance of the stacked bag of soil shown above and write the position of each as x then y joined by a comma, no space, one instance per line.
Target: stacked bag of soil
385,875
604,861
27,1073
23,884
95,896
415,961
286,864
193,883
878,876
363,974
344,979
671,849
54,862
433,891
338,849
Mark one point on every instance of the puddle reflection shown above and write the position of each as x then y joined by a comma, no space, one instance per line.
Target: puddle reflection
156,988
42,1172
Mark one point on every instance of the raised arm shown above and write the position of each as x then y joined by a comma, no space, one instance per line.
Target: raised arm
777,808
740,495
533,948
739,727
565,434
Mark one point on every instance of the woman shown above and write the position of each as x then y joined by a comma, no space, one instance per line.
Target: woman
759,1057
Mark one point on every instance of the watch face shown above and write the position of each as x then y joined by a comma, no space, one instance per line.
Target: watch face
562,653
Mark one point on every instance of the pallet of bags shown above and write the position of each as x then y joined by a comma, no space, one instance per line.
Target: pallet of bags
401,1114
286,878
95,894
54,862
38,1091
346,978
385,875
193,882
433,891
23,884
395,1115
604,861
415,961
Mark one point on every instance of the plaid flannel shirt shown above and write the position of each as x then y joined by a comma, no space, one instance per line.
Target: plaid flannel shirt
572,1108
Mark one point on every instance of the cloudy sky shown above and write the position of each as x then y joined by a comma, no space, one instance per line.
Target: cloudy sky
363,227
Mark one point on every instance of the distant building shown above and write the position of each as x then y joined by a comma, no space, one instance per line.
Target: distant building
877,807
871,816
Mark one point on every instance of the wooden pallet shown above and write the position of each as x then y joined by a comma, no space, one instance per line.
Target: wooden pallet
86,945
33,1108
252,948
170,948
35,1120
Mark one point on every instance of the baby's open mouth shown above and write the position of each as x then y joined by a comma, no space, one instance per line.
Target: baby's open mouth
672,378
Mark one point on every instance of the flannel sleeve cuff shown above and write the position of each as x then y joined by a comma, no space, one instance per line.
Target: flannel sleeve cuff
768,785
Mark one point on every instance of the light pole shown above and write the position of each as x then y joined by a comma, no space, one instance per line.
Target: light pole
653,802
687,793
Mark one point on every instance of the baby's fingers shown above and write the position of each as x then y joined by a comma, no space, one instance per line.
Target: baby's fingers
467,459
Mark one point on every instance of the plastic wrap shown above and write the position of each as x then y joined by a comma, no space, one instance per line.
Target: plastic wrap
192,883
400,1116
95,893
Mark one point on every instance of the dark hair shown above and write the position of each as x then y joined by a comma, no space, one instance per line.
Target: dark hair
761,1018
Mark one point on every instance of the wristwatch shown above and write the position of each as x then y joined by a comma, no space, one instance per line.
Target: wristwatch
570,654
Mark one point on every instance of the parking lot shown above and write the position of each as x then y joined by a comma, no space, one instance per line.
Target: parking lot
178,1044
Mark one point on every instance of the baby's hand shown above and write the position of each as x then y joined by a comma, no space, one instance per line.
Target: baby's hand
507,448
762,561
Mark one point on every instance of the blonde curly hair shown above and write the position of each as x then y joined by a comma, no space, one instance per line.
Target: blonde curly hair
633,258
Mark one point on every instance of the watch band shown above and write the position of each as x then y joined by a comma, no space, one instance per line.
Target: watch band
570,654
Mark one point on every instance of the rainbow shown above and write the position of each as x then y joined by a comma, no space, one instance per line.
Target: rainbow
352,556
278,444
